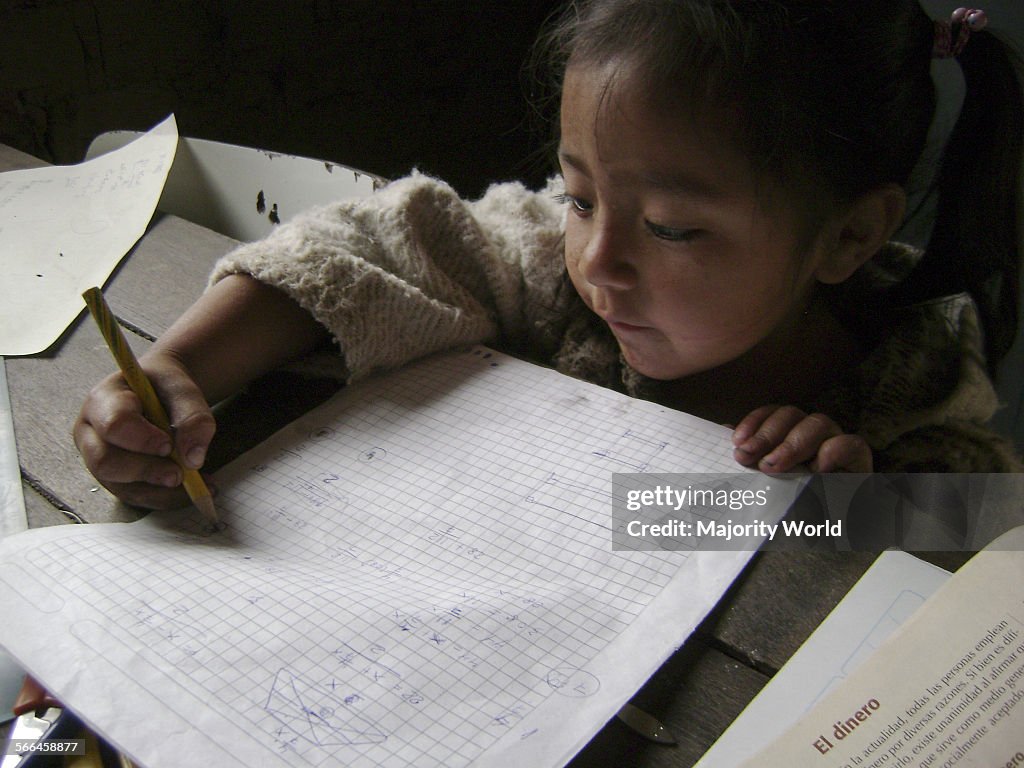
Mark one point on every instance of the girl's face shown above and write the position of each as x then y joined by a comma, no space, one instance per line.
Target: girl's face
667,238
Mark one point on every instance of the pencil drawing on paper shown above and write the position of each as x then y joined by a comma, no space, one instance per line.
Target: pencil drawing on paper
318,490
572,682
632,451
381,676
372,454
172,625
572,498
306,712
397,589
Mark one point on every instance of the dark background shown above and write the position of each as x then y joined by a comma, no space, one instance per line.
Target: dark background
381,85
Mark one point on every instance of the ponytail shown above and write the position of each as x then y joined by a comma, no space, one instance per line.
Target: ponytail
975,244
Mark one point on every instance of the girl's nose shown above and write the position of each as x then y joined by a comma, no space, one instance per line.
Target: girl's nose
605,260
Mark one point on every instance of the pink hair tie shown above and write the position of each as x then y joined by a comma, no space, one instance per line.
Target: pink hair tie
963,21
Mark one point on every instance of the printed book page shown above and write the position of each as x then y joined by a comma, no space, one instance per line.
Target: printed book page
946,689
888,594
419,572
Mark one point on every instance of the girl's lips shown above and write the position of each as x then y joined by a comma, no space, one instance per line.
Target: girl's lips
618,325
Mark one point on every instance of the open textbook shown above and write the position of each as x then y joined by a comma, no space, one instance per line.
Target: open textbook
945,689
419,572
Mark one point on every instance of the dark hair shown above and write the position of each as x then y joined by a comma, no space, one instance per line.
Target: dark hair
835,99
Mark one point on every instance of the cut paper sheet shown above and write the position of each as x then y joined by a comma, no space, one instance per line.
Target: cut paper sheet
419,572
64,228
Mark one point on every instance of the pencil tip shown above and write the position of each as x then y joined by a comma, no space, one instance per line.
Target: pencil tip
205,505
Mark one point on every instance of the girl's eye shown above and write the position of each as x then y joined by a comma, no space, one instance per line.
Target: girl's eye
578,205
672,234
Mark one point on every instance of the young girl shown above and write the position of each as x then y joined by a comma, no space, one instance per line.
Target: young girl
718,240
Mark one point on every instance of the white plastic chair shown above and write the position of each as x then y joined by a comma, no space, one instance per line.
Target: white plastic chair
242,192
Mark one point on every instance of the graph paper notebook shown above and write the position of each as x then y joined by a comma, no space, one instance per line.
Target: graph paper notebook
419,572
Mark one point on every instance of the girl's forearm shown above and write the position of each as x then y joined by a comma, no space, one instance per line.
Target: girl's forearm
238,330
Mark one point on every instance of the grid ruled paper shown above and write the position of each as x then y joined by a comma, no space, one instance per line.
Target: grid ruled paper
418,572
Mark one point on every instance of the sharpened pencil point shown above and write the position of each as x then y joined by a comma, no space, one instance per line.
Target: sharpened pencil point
205,505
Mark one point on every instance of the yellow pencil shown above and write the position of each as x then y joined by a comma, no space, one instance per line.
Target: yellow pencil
151,406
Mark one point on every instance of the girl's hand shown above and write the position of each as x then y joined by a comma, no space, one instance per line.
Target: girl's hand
128,454
776,438
237,330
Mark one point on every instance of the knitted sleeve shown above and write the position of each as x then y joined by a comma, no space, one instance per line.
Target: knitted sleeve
414,269
955,446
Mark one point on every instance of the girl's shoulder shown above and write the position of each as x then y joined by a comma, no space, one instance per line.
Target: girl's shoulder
922,397
525,220
925,365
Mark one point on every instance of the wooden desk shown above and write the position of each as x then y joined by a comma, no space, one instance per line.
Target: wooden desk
769,612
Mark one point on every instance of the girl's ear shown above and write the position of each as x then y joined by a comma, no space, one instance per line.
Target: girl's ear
859,232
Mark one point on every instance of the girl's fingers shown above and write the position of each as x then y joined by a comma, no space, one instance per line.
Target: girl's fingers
128,454
762,433
751,423
112,465
187,410
114,413
844,453
778,438
137,479
800,444
146,496
194,427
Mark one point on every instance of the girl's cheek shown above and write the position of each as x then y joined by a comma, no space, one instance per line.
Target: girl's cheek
575,243
571,254
578,283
